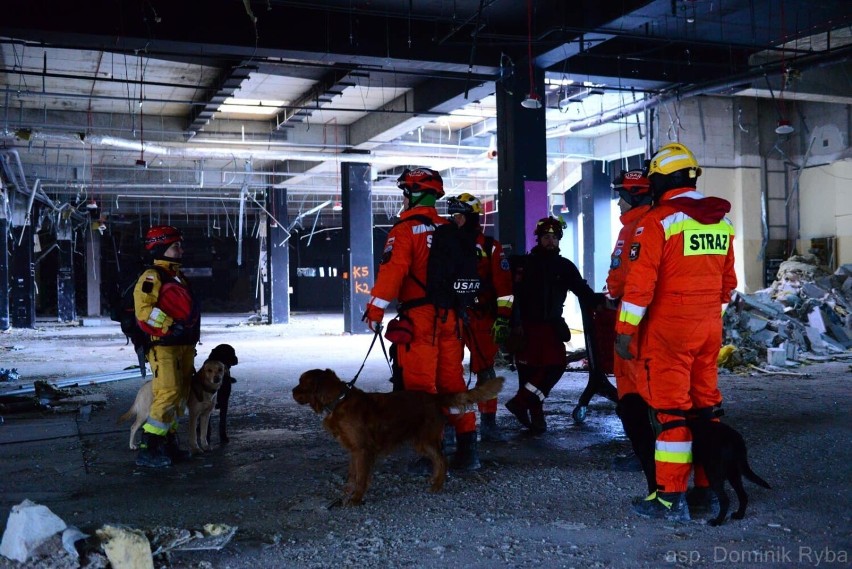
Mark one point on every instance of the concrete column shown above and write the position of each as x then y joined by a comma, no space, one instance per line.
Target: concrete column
22,268
278,257
522,168
595,205
66,310
93,271
5,321
358,275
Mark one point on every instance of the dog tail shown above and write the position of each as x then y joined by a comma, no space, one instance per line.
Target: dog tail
746,469
126,417
482,392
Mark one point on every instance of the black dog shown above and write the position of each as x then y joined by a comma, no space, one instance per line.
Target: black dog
224,353
721,450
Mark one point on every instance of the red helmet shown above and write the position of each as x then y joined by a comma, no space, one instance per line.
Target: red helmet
161,235
421,180
633,182
549,225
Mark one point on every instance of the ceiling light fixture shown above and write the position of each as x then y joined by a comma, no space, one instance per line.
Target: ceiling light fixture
784,127
532,101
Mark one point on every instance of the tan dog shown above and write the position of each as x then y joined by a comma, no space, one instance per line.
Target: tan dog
202,398
205,383
140,408
371,424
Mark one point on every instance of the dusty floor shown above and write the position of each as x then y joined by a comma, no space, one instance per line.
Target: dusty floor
542,501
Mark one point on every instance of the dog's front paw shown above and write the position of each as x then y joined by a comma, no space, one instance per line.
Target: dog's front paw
196,450
134,446
353,501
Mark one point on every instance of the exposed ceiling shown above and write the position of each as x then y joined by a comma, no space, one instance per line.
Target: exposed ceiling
124,103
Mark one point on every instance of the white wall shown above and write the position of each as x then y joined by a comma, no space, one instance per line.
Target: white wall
826,207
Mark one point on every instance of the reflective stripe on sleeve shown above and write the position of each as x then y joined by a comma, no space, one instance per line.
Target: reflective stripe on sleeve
630,313
378,302
156,318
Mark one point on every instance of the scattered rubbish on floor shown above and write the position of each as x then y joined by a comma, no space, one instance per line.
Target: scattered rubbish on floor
36,535
9,374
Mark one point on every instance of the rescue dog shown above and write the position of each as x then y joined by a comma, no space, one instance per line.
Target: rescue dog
140,408
204,385
721,450
202,392
372,424
224,353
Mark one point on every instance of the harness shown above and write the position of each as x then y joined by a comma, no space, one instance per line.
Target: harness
697,413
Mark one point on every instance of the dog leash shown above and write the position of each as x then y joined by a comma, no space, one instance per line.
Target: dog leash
377,334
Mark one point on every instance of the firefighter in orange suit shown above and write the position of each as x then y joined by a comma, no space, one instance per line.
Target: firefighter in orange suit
168,313
488,318
634,201
682,272
432,362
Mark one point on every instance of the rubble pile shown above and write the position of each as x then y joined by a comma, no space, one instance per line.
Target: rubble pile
805,315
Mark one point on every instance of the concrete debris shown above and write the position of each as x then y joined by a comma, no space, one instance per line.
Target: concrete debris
805,315
36,535
29,525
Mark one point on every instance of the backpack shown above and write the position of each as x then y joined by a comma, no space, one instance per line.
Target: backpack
123,311
452,276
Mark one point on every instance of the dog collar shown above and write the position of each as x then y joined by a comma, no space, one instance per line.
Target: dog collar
329,409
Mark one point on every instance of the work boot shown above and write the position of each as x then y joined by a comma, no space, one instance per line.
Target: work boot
173,450
537,423
466,458
449,442
669,506
517,406
488,429
702,500
152,451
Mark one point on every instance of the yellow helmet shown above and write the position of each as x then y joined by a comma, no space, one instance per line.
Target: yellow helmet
464,203
672,158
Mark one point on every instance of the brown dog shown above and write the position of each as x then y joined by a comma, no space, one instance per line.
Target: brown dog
202,397
372,424
140,408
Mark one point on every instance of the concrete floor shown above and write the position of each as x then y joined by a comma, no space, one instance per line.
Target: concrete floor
539,501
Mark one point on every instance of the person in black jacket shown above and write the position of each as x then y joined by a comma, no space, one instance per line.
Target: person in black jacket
542,280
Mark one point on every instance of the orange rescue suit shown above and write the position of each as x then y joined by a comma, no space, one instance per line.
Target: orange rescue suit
682,271
432,362
495,300
625,370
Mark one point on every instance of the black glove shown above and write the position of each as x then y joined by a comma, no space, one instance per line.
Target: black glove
622,346
176,329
